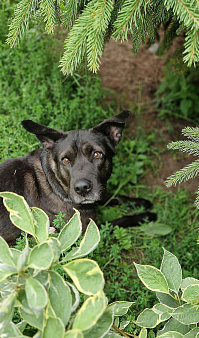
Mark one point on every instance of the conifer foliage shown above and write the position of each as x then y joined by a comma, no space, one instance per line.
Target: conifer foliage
90,23
191,147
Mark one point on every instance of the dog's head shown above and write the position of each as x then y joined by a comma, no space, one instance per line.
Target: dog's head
78,163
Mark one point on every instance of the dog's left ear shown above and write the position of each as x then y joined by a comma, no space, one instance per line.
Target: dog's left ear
113,127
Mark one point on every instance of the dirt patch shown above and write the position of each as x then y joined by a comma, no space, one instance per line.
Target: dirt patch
135,79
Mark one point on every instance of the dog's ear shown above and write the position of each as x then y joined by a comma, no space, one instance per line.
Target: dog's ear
113,127
47,136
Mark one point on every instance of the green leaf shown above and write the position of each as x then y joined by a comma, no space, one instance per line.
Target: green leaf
119,308
88,244
6,255
11,331
192,334
23,258
41,257
191,294
42,224
189,281
171,334
148,318
15,254
28,315
36,295
152,278
90,312
86,275
143,333
158,229
5,271
54,327
102,326
167,300
74,334
70,232
187,314
6,310
171,269
174,325
56,247
20,213
60,297
75,296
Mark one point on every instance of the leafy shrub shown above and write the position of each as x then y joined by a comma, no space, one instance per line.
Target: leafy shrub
30,279
177,95
178,299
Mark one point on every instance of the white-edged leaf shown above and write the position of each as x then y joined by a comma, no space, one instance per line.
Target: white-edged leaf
15,255
11,331
102,326
6,255
60,297
120,308
28,315
148,319
143,333
86,275
36,295
41,256
187,314
166,299
23,258
56,247
75,296
172,271
54,327
89,242
90,312
42,224
6,271
174,325
192,333
70,232
20,212
191,294
152,278
171,334
74,334
6,310
189,281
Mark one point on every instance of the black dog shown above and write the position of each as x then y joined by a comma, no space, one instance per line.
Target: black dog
71,170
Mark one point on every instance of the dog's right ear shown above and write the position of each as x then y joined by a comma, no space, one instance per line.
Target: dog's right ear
47,136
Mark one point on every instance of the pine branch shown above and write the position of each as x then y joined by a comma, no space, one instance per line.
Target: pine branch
186,146
24,10
71,10
49,11
184,174
191,133
87,36
129,14
187,11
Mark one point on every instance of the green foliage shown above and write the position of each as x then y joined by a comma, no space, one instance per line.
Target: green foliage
91,23
192,169
178,299
45,300
177,95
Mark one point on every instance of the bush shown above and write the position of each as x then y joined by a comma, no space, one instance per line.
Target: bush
178,299
32,280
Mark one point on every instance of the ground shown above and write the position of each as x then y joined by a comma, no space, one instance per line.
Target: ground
135,79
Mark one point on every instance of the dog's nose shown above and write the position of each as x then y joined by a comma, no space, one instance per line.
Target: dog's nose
83,187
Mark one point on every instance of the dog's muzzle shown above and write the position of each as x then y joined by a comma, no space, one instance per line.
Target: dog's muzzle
82,187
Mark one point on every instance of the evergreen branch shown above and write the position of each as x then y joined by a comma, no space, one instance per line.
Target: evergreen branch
49,11
75,43
191,47
71,10
184,174
197,200
191,133
101,14
129,14
186,146
24,10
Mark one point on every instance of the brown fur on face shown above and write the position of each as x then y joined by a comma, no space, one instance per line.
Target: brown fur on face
71,170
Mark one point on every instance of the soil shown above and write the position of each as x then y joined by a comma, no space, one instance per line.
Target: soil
134,79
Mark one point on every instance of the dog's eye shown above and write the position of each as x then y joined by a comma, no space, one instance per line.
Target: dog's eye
66,160
97,155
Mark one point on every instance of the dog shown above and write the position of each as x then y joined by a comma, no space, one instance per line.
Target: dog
69,171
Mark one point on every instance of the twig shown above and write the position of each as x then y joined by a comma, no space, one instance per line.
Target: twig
121,332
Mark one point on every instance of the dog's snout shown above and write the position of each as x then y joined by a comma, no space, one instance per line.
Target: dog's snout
83,187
